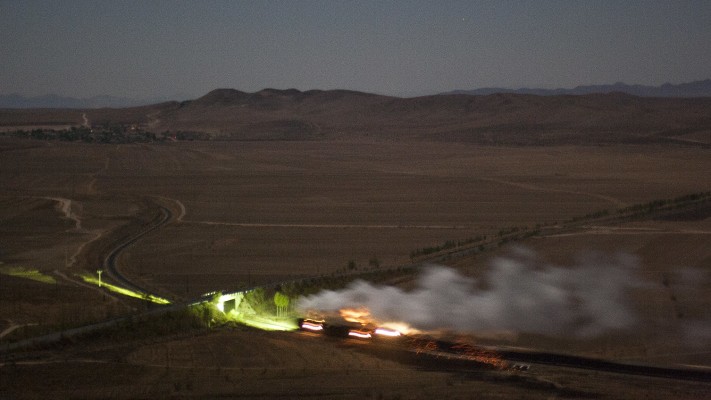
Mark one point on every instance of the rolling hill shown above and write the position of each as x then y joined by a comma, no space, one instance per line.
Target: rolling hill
502,118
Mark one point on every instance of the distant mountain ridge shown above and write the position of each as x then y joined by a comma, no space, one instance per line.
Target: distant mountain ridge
690,89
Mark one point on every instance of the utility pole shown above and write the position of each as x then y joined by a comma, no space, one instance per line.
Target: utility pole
99,271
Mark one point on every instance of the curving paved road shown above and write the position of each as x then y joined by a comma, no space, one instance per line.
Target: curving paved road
111,260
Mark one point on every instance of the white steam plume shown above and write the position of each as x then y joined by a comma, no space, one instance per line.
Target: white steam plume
517,294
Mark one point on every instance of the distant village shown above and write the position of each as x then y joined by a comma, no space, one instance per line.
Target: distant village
105,133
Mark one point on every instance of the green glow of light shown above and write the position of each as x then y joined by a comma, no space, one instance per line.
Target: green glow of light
266,323
245,314
121,290
26,273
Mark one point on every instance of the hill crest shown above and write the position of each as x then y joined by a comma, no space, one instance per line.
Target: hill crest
495,119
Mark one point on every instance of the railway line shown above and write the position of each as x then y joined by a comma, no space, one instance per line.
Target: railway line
452,356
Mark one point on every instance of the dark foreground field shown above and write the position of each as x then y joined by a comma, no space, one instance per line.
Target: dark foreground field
246,213
241,363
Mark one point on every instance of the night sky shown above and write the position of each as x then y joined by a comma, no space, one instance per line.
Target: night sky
144,49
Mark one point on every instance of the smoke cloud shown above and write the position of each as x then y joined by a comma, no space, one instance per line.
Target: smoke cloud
518,293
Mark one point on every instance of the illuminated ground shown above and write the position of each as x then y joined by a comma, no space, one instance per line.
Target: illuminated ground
249,213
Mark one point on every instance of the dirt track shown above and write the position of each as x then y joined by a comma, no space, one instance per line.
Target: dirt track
330,226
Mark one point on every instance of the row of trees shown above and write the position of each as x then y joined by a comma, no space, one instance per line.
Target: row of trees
448,245
512,234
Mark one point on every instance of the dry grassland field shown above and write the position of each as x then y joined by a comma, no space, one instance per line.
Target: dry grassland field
263,365
246,213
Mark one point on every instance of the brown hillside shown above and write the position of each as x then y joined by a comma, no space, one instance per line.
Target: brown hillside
516,119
